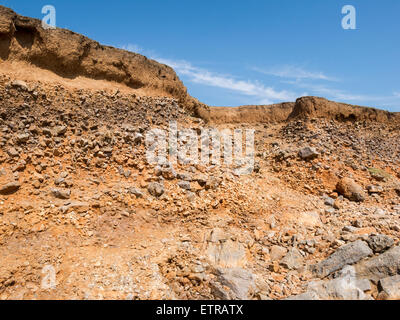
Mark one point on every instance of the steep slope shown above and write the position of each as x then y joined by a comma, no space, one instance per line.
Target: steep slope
79,198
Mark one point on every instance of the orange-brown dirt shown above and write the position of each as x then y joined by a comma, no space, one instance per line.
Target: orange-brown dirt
84,215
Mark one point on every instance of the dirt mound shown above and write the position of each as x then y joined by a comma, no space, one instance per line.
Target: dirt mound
315,107
71,55
303,108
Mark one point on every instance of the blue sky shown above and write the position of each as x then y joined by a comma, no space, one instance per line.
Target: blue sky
231,53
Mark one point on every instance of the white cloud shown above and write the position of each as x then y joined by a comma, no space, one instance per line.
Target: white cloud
296,77
336,94
294,72
264,94
310,82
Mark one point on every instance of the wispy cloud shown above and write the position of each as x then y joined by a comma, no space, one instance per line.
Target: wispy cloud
264,94
294,72
261,93
336,94
314,83
301,82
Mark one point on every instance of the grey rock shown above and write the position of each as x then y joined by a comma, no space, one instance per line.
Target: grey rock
136,192
211,183
125,173
379,243
10,188
239,280
59,131
330,210
363,284
351,273
23,138
63,194
128,127
293,259
345,287
77,206
219,292
156,189
59,181
184,185
345,255
350,229
227,254
382,266
184,176
64,174
308,153
329,201
390,288
379,212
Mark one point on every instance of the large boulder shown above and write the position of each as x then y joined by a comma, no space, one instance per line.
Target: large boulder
351,190
224,252
345,287
385,265
345,255
238,280
293,259
380,242
389,288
